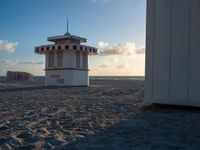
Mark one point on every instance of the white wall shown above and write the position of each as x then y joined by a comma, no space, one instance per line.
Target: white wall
173,52
69,59
66,78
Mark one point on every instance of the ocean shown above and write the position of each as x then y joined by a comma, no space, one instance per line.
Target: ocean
141,78
117,78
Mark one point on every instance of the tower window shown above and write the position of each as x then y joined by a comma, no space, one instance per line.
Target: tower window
84,60
66,46
74,47
60,58
78,59
51,59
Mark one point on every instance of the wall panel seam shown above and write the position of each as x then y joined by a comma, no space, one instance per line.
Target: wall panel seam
189,47
153,47
170,48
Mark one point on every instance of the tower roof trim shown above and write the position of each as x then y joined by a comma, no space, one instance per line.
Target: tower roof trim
66,37
76,47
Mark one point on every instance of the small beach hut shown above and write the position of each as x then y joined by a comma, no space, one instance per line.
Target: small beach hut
66,61
173,52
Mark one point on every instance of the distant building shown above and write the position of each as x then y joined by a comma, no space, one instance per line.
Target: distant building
66,61
19,76
173,52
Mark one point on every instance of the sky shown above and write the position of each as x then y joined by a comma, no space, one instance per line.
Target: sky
115,27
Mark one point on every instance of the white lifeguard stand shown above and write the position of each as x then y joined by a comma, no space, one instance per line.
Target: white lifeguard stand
66,61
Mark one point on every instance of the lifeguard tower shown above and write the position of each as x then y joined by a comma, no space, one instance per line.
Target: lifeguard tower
66,61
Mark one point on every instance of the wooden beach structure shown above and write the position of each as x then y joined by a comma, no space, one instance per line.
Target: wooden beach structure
66,61
173,52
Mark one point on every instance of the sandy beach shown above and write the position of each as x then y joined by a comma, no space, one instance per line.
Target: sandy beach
106,115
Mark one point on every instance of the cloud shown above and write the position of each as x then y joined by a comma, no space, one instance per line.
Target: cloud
109,62
140,51
123,66
125,49
8,47
26,62
118,59
31,62
8,62
39,63
127,67
17,62
34,67
104,64
102,45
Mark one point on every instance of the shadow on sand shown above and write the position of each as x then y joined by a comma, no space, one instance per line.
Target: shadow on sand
155,127
18,89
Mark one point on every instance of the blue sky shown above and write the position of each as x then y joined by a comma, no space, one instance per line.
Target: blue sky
105,23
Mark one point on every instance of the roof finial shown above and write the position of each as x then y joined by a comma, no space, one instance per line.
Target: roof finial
67,26
67,33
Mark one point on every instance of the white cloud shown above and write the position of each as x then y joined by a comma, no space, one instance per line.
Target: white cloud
39,63
17,62
34,67
102,45
133,66
8,62
118,59
31,62
104,65
140,51
8,47
13,63
123,66
125,49
108,62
